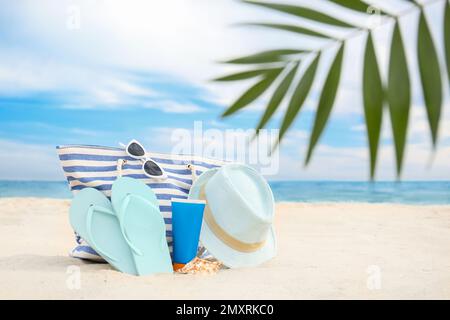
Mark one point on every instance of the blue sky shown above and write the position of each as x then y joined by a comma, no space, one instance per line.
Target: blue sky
140,69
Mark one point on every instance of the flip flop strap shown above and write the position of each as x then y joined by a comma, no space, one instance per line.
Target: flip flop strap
93,209
123,210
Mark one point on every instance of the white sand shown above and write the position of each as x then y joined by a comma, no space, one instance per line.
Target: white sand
329,251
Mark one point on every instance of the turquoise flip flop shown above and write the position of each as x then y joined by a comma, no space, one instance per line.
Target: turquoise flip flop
142,225
93,218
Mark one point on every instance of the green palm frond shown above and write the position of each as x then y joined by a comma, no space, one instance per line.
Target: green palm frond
373,95
353,5
247,74
277,97
291,28
326,101
281,67
430,74
266,56
298,97
254,92
447,36
399,94
302,12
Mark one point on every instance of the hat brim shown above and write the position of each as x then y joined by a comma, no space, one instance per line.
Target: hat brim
228,256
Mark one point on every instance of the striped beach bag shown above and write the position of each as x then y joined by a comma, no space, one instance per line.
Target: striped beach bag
98,167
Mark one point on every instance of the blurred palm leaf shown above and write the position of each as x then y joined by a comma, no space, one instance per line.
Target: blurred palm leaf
266,56
398,94
298,98
282,66
290,28
354,5
277,97
326,101
302,12
430,75
447,36
254,92
247,74
373,95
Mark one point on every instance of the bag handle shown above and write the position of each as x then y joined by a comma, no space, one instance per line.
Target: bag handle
119,167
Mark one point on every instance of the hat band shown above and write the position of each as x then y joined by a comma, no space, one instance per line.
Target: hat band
224,236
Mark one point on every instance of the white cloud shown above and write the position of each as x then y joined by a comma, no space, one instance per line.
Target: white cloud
84,87
21,161
333,163
184,39
173,107
418,130
181,38
157,36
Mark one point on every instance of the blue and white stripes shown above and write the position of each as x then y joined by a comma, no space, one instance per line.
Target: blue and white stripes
97,167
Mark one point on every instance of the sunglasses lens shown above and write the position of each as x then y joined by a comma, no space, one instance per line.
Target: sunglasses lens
136,150
152,168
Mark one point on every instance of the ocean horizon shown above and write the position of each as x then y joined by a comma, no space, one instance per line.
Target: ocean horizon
405,192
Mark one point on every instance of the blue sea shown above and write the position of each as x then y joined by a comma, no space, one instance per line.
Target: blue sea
424,192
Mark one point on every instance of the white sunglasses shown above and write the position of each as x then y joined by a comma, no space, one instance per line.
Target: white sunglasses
151,169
